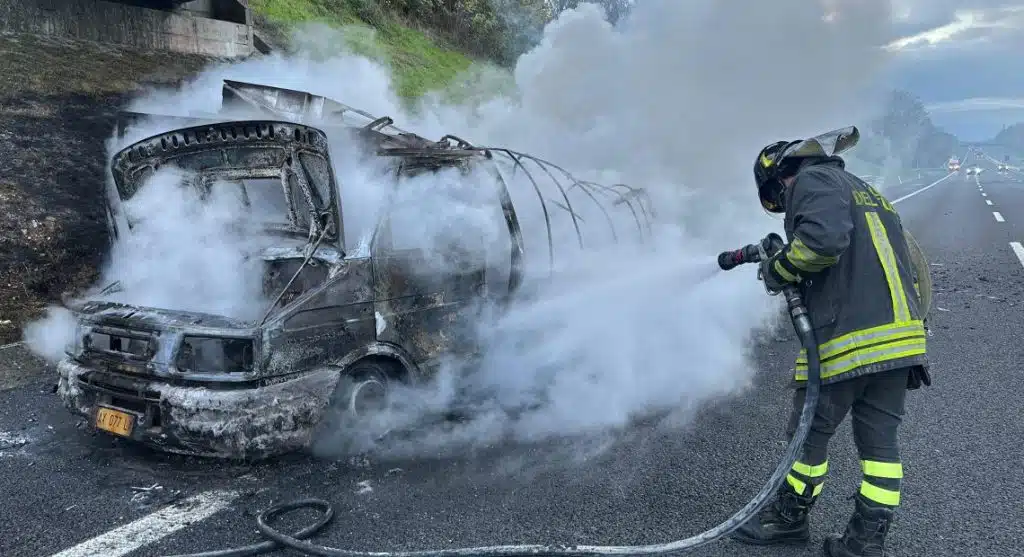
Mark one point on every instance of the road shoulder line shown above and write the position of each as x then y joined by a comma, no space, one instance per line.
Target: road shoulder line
929,186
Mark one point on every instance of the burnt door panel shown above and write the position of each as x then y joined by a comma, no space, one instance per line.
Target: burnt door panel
430,256
426,313
337,318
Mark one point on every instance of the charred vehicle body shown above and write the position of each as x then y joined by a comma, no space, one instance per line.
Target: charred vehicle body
344,323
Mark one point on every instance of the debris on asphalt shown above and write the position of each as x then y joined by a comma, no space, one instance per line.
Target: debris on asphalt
359,461
9,440
154,495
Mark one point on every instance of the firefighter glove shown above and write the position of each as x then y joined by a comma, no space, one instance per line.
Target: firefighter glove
773,282
772,244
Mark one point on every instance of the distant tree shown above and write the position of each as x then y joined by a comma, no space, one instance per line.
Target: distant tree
522,24
935,148
904,121
616,9
912,136
1012,137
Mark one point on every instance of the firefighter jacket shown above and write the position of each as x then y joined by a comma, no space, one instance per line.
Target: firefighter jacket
847,251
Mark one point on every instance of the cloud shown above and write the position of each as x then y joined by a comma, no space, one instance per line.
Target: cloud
977,104
941,11
962,58
977,26
977,118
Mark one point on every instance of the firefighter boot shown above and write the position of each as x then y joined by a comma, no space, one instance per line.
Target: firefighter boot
865,533
785,521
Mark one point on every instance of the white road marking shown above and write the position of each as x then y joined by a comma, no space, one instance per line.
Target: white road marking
988,202
999,218
152,527
984,195
1019,250
929,186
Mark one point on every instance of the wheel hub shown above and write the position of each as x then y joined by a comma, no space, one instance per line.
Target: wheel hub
368,396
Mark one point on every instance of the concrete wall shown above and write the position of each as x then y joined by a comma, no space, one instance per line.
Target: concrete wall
111,22
234,11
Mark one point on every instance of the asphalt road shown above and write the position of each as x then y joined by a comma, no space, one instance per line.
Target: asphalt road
62,486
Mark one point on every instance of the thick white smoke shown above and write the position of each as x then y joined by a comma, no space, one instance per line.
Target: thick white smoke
186,253
677,99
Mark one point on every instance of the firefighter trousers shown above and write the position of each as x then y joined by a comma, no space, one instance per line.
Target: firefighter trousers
876,402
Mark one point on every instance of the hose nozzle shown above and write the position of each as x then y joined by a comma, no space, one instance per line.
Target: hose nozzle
751,253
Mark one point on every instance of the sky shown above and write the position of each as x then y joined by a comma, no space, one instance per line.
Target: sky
965,60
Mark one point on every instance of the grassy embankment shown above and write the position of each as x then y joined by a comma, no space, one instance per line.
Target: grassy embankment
418,61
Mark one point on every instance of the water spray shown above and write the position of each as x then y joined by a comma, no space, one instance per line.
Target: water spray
752,253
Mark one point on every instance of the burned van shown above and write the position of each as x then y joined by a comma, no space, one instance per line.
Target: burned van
345,321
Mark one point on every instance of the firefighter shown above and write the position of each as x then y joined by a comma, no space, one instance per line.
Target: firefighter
847,252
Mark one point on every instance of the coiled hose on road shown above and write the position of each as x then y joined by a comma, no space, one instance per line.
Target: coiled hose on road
297,541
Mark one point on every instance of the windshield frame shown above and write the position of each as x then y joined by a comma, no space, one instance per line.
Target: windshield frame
239,150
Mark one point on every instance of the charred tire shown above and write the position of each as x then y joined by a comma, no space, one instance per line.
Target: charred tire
355,418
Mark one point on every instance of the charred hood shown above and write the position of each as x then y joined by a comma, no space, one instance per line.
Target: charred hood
135,317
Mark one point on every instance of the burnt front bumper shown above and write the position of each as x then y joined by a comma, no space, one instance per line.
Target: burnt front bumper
252,422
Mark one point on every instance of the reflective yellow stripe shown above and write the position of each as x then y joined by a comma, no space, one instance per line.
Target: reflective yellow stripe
864,337
784,273
817,490
806,259
798,486
879,495
864,357
901,310
902,338
811,471
889,470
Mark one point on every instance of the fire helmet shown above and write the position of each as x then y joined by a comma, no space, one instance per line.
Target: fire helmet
768,176
782,158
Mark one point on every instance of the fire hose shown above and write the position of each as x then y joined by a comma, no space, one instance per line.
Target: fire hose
752,253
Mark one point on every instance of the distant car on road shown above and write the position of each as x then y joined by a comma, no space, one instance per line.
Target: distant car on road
973,170
1003,168
953,165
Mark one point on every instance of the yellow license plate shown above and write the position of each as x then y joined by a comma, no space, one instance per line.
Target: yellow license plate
115,421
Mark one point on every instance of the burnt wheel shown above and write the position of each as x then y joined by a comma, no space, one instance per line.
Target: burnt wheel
356,416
